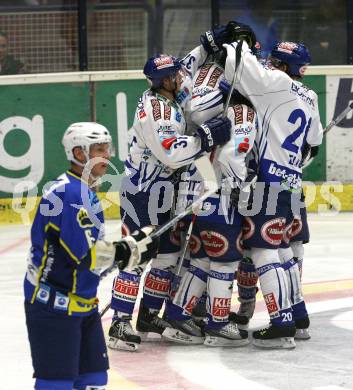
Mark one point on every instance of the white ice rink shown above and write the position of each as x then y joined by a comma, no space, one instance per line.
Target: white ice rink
323,363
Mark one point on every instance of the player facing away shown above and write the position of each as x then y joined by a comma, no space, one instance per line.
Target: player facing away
288,120
158,147
66,257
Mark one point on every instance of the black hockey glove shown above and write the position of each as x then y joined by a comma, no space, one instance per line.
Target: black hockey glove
236,31
212,40
237,97
241,197
308,154
136,249
214,132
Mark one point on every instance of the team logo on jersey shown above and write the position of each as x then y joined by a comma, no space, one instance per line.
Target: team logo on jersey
272,231
83,218
215,244
61,301
43,293
271,303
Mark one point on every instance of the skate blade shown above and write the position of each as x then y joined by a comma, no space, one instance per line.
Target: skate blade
213,341
150,336
302,334
120,345
180,337
278,343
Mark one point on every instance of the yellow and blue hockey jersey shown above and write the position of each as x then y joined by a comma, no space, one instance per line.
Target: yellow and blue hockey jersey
68,222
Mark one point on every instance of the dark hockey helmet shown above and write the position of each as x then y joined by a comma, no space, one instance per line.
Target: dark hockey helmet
159,67
295,55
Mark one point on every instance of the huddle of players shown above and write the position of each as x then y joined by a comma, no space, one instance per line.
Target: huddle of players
245,231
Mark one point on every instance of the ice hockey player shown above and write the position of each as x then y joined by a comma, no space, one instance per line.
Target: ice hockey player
214,246
67,255
288,120
158,147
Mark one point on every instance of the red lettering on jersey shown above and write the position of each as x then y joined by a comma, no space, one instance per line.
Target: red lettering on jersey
251,114
238,112
248,279
167,112
155,283
191,304
126,287
271,303
221,307
214,77
202,75
168,142
156,109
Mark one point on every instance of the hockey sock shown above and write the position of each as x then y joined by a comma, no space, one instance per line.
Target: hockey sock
191,287
125,290
52,384
298,252
157,282
247,278
274,285
291,268
219,289
91,381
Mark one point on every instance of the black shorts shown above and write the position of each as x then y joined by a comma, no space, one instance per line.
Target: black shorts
64,347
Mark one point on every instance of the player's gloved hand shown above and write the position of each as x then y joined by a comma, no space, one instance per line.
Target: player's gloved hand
212,40
236,31
136,249
214,132
308,154
241,197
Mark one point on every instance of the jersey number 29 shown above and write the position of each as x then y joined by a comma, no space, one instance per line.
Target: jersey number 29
304,125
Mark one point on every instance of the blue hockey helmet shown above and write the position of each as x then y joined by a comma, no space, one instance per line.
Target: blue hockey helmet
159,67
295,55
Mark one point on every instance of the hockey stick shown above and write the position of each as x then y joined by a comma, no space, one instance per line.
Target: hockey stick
207,172
224,114
333,123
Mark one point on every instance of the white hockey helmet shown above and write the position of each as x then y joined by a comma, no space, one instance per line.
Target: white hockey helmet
84,134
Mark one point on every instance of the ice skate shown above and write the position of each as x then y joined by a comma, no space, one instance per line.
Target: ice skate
122,336
227,336
281,337
302,329
149,325
184,332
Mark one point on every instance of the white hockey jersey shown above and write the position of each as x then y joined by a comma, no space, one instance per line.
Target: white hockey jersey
288,117
158,145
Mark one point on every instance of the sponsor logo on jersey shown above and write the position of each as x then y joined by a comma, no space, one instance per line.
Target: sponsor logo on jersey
61,301
238,114
83,218
250,115
247,279
202,75
248,228
178,116
221,307
199,92
191,304
43,293
291,180
242,129
214,243
155,285
127,289
271,303
214,77
195,244
302,91
297,226
167,112
272,231
142,115
156,109
241,145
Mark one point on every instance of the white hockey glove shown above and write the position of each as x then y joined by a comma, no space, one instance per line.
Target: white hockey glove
136,249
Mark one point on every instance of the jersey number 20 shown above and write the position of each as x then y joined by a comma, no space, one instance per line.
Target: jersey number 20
304,125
